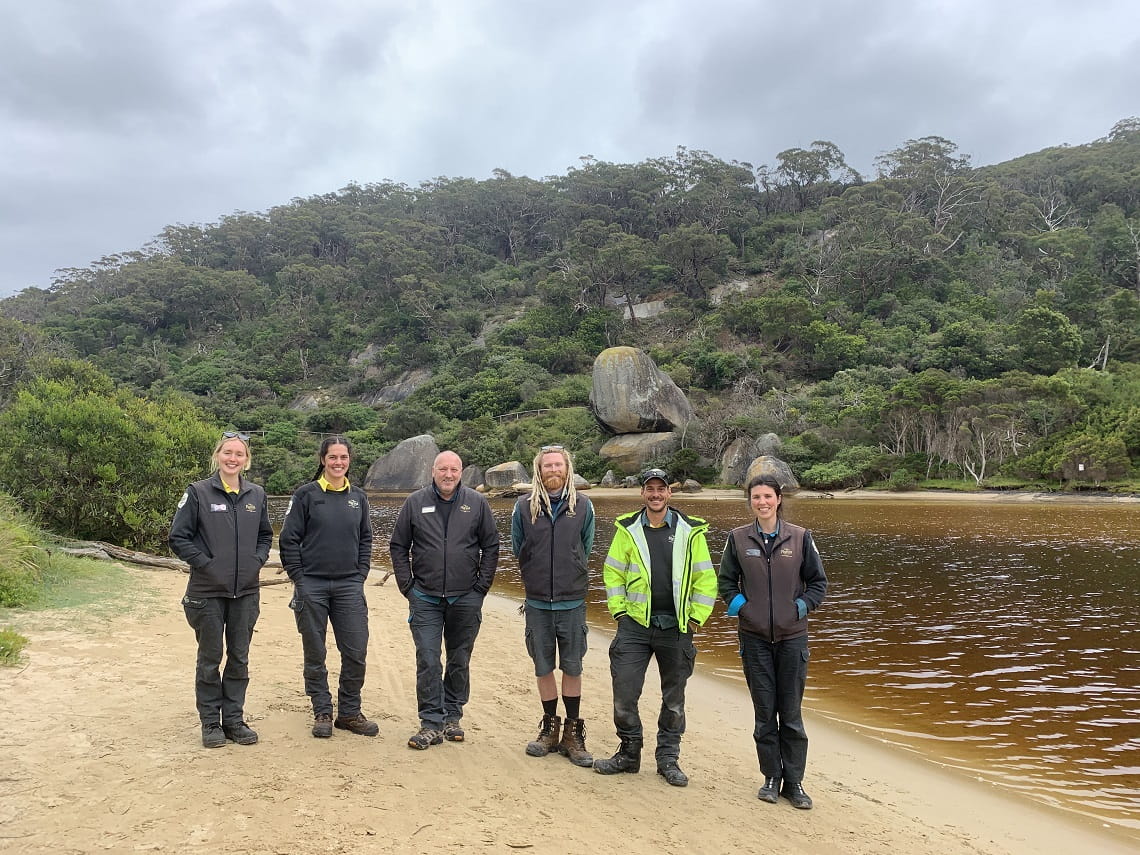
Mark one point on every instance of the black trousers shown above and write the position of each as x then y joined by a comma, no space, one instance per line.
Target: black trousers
222,625
630,651
317,602
776,673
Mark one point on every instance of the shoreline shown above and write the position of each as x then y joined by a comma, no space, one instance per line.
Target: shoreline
736,494
994,496
100,722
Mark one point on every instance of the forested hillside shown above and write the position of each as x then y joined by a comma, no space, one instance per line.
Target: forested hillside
934,321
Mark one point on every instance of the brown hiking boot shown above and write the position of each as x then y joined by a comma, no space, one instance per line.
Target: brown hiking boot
322,725
357,724
573,744
549,729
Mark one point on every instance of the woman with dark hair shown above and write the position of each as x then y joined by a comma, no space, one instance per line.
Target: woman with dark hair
326,548
221,529
771,576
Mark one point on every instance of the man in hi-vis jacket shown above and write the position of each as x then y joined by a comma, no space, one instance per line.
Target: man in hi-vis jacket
660,587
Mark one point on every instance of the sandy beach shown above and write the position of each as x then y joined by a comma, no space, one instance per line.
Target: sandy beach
101,753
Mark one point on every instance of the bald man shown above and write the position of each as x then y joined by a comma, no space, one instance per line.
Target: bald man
444,548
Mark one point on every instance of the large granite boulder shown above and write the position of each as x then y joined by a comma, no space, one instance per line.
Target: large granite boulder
741,452
768,444
630,394
632,452
775,468
609,479
735,460
473,476
505,475
405,467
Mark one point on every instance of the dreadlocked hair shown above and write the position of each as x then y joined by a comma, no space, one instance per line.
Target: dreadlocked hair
539,498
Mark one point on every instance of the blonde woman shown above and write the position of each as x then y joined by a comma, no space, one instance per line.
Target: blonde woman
552,532
221,529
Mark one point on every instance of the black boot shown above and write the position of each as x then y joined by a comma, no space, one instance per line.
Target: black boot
627,759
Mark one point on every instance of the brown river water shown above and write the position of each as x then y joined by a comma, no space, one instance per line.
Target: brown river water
1000,639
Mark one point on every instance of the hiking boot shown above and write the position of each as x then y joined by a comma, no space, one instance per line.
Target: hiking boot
357,724
425,739
770,792
452,731
322,725
547,741
213,736
627,759
573,744
240,732
796,795
671,772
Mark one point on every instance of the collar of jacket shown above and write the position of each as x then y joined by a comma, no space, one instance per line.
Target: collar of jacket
216,481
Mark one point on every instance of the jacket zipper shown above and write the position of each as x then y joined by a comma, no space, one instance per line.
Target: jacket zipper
232,498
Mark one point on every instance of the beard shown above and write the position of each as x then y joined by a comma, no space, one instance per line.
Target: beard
553,482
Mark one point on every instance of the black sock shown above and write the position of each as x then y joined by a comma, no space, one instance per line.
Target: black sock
550,707
573,705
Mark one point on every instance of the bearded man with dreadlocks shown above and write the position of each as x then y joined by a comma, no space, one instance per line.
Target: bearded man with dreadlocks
552,531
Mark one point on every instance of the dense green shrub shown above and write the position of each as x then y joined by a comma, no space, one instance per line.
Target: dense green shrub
91,460
852,467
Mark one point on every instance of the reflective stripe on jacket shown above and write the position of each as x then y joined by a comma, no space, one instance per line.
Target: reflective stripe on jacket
629,584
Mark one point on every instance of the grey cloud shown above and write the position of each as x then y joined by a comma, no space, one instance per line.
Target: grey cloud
118,118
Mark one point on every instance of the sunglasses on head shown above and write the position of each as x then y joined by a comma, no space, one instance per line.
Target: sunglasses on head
233,434
547,448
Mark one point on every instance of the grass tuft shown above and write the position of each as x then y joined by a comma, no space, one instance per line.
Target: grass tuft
33,576
11,646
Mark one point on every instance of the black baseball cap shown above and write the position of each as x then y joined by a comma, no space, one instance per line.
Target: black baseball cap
649,474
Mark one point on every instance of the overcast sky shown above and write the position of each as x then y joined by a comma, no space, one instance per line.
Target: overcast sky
119,117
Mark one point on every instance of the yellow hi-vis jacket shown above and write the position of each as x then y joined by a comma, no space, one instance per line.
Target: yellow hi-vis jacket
629,586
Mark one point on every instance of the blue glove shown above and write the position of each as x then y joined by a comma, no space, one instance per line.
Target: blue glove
801,609
734,606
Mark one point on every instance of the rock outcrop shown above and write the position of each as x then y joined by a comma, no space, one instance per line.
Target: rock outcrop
775,468
630,394
736,459
505,475
473,476
632,452
404,385
405,467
